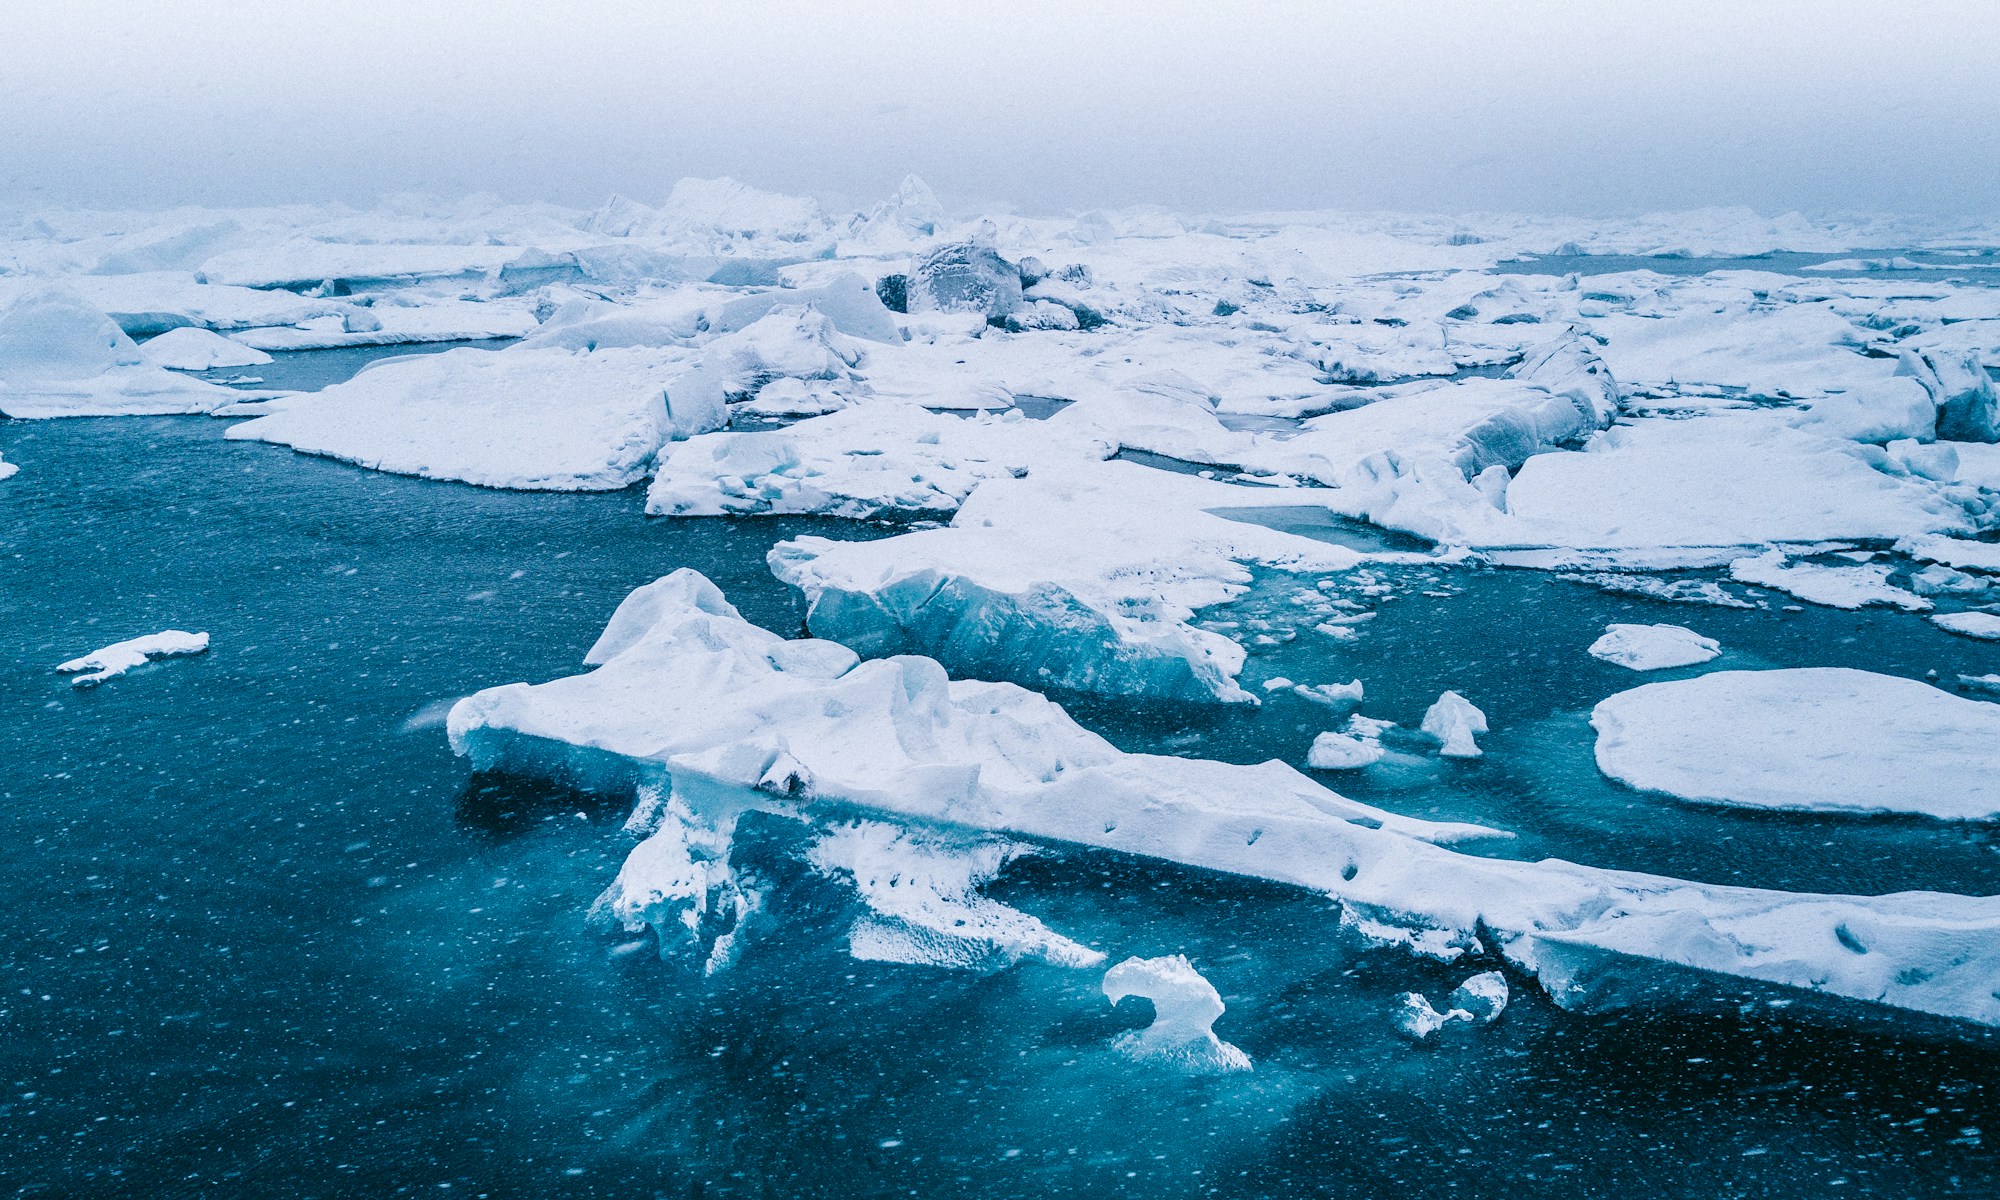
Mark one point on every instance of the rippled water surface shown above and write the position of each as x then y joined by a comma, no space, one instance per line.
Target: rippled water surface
266,937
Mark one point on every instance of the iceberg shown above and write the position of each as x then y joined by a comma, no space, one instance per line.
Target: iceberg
705,717
59,357
1653,647
119,657
536,419
1815,739
1453,721
1185,1009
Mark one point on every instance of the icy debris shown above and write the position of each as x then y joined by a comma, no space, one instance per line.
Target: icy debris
1484,996
1953,552
1347,695
1825,739
1478,1001
543,419
191,349
1653,647
1333,751
922,891
119,657
1968,408
1676,591
1185,1008
1453,721
1417,1020
7,469
1835,587
1982,625
965,277
704,714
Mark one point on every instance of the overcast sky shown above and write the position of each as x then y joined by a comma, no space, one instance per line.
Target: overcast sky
1553,106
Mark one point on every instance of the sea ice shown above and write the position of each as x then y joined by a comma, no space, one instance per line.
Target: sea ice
1982,625
711,716
192,349
1453,721
1826,739
1653,647
1185,1008
59,357
119,657
1835,587
1333,751
516,418
922,891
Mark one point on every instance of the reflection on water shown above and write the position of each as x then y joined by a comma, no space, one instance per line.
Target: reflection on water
267,937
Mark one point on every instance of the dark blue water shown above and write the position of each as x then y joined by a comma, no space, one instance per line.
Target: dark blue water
265,937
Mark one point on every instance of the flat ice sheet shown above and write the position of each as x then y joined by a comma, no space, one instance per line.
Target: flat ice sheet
1815,739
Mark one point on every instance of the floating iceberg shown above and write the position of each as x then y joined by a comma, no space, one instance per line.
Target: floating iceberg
542,419
1822,739
710,717
1454,721
1185,1008
1653,647
119,657
59,357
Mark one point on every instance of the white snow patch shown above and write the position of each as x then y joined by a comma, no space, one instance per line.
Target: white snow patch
119,657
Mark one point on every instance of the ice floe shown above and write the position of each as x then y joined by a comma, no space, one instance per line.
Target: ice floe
59,357
1185,1009
1835,587
1653,647
1454,721
194,349
119,657
709,717
1823,739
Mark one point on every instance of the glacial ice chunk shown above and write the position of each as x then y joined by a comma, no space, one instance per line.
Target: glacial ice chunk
965,277
1333,751
1484,996
1982,625
1817,739
119,657
1453,721
922,892
60,357
192,349
1185,1008
1653,647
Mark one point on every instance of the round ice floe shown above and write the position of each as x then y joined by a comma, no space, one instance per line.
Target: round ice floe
1984,626
1342,752
1653,647
1827,739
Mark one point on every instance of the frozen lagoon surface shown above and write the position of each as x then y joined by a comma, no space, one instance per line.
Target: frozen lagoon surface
270,937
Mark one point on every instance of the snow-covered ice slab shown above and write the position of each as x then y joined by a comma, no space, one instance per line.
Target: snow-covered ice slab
59,357
710,717
119,657
1792,350
1816,739
517,418
1982,625
395,324
1081,575
194,349
1730,479
1835,587
1653,647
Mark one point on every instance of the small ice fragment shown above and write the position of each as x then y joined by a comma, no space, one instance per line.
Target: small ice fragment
1417,1020
1984,626
120,657
1342,752
1334,695
1272,685
1185,1007
1453,721
7,469
1482,997
1653,647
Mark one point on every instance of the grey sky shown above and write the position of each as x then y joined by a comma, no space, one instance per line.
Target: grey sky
1549,106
